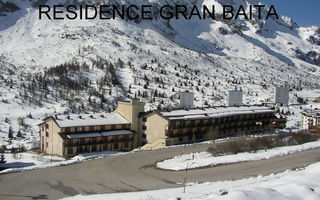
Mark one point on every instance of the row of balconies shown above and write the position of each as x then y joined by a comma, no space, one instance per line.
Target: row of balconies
74,144
243,123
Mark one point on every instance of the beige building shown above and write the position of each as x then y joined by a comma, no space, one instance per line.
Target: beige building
310,118
74,134
192,125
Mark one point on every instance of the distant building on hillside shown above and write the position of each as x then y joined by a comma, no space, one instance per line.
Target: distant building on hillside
310,118
186,100
282,96
235,98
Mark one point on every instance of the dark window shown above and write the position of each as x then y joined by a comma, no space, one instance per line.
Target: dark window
94,140
180,139
67,130
126,145
105,139
113,126
70,150
105,147
144,127
83,128
126,137
47,134
94,148
124,126
116,138
69,142
91,128
47,144
144,119
102,127
190,137
47,126
82,141
116,146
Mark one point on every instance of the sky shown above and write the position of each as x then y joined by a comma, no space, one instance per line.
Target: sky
305,13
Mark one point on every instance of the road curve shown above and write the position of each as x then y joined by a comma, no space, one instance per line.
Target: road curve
135,172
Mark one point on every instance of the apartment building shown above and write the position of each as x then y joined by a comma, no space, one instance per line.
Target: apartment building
310,118
68,135
192,125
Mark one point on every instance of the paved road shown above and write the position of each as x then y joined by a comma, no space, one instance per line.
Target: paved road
134,172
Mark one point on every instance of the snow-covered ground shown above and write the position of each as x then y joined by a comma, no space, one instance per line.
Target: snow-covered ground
28,161
289,185
204,159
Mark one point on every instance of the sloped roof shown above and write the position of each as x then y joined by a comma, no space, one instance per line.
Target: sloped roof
90,120
214,112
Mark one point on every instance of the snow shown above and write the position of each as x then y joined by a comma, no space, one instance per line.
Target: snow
28,161
91,120
292,184
119,132
215,112
205,159
184,55
84,135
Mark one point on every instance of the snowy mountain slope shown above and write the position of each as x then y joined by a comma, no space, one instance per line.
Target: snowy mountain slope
152,60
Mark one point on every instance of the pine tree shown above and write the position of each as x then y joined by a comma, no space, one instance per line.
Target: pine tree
2,159
19,134
10,133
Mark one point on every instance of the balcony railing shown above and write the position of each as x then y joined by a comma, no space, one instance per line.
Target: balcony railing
76,144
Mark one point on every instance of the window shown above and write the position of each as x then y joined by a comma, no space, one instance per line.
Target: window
144,128
126,137
180,139
105,139
113,126
126,145
67,129
103,127
94,148
94,140
47,134
144,119
116,138
83,128
69,142
105,147
47,126
91,128
193,122
70,150
116,146
47,144
42,128
82,141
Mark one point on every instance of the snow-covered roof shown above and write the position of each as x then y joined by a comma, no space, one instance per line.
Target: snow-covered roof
98,134
90,120
311,113
118,132
214,112
84,135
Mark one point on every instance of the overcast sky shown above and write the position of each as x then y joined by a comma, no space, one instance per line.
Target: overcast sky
305,13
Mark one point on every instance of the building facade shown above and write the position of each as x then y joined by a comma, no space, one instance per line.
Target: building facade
310,118
193,125
74,134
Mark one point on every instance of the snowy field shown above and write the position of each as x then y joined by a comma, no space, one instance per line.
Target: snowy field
29,161
292,184
204,159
